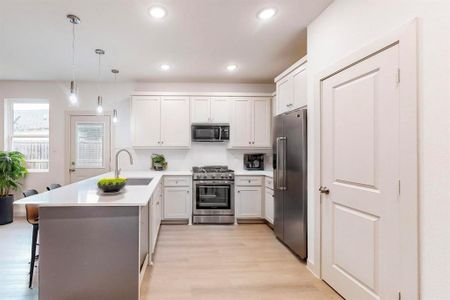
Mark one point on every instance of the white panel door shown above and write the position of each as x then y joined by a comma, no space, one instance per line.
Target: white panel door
299,86
175,122
285,95
90,146
177,202
241,127
248,202
220,110
201,109
359,160
261,122
146,121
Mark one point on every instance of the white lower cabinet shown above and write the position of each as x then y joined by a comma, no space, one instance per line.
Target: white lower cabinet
269,205
248,197
177,197
155,217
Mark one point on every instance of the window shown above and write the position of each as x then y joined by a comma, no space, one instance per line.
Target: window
28,132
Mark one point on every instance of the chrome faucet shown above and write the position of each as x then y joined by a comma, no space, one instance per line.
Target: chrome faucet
117,170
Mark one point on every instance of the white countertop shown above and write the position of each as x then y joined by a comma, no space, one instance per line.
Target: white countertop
86,193
253,173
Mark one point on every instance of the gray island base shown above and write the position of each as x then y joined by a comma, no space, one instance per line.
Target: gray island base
91,252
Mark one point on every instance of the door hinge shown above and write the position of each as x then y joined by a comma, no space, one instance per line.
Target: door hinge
399,187
398,76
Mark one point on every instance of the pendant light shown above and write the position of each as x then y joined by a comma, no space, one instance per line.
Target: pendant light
115,118
73,97
99,52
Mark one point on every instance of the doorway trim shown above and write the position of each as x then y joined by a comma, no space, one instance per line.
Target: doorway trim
406,38
67,116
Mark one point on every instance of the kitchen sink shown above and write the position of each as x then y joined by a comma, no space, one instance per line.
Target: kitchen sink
138,181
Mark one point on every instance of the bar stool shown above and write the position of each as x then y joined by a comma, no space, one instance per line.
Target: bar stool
32,218
53,186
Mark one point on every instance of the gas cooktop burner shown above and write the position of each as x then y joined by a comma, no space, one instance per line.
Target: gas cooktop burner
211,169
213,172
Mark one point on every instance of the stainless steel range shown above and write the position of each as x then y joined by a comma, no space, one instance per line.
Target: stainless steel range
213,197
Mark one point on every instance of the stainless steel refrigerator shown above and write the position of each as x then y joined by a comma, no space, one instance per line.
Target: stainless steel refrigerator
289,167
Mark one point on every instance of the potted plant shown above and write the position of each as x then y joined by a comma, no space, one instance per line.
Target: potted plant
159,162
12,171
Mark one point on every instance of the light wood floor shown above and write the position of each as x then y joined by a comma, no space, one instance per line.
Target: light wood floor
191,262
228,262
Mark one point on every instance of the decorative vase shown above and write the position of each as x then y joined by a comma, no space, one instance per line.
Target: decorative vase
6,209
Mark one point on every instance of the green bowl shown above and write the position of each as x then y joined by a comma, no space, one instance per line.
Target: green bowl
111,185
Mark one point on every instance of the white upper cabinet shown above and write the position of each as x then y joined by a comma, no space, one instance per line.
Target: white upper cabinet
210,110
284,95
251,123
261,122
160,122
201,109
175,123
291,87
220,110
241,124
146,121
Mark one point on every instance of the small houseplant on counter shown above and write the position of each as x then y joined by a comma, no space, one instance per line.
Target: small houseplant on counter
159,162
12,171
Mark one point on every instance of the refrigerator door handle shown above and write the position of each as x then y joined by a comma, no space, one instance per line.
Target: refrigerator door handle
282,167
277,163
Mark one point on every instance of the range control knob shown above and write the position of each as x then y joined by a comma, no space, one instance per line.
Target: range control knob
222,176
213,176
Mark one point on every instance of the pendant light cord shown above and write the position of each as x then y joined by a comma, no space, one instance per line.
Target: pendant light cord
73,51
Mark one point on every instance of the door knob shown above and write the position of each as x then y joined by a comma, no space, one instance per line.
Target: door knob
71,170
324,190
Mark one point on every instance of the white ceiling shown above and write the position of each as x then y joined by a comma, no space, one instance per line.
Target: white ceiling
198,38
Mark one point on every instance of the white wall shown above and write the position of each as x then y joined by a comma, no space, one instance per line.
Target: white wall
347,25
117,95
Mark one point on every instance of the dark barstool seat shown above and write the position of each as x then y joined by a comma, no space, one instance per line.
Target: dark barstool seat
32,218
53,186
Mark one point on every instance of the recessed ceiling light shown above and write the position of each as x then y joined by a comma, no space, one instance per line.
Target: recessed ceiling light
157,12
165,67
267,13
232,67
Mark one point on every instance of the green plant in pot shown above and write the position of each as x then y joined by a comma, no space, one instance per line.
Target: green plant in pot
159,162
12,171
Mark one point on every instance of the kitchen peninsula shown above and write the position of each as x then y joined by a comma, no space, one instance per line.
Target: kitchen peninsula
97,246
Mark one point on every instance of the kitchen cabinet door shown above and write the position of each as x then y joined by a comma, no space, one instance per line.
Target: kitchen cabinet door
241,127
285,95
175,122
177,202
201,108
220,110
299,87
145,121
261,122
268,205
248,202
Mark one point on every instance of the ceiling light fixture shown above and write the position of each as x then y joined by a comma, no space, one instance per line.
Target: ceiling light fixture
99,52
115,118
232,68
165,67
267,13
73,97
157,12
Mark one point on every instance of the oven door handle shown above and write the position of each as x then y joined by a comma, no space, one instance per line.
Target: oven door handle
214,183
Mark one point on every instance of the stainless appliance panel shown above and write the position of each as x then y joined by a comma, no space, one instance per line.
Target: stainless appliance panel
278,194
290,188
295,196
213,219
216,190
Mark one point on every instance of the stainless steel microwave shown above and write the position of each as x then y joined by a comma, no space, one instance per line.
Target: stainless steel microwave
210,132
